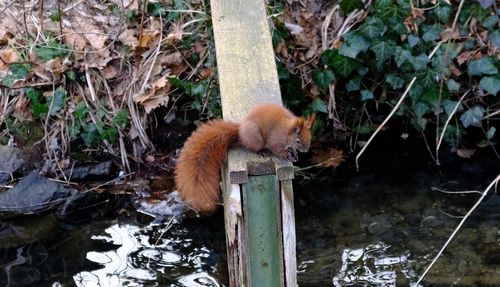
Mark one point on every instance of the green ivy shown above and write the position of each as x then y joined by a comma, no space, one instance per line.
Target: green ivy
382,54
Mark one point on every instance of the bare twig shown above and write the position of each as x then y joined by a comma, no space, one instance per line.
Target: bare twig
385,121
485,192
456,192
448,121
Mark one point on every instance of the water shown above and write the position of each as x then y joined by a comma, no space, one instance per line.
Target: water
121,252
383,227
379,227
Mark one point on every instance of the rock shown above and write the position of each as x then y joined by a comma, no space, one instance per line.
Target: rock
99,171
91,206
33,194
11,161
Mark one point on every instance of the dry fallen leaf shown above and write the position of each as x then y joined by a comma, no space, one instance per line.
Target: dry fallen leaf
95,36
175,34
449,34
48,71
328,158
74,40
205,73
156,96
128,38
8,56
112,69
464,56
465,152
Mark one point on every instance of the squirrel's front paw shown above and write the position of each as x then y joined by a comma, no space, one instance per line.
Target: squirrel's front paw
292,154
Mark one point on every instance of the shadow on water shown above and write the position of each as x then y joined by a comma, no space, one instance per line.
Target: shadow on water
377,227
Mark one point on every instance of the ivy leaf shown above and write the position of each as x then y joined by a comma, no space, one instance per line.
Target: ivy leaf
472,117
420,109
354,43
365,129
419,62
341,65
58,99
413,40
390,11
449,105
481,66
363,71
431,33
490,21
401,56
491,133
395,81
453,85
422,123
490,84
383,49
495,38
323,78
354,84
373,27
348,6
443,12
427,78
485,3
318,105
366,95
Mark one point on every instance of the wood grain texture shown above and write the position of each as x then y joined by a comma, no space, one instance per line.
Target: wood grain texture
289,237
245,57
235,240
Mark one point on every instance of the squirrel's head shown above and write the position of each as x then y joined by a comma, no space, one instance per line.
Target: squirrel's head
300,137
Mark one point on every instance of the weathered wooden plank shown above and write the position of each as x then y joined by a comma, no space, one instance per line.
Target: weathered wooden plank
247,77
245,58
264,237
231,194
289,238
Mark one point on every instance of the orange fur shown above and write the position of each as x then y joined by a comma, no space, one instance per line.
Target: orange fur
266,127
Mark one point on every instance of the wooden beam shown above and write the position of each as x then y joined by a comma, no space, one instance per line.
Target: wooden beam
247,72
245,57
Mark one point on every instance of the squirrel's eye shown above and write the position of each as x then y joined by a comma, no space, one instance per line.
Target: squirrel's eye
297,140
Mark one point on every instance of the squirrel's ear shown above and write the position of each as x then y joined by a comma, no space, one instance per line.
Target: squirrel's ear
310,121
296,130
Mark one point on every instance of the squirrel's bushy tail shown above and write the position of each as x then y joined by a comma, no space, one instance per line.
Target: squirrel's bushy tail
197,173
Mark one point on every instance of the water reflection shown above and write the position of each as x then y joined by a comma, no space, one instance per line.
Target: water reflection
383,231
144,260
373,265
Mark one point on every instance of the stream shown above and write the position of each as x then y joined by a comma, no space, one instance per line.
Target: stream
378,227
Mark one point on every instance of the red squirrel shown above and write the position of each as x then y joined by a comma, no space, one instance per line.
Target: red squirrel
267,128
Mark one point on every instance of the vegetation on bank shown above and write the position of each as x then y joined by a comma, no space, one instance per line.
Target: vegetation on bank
97,77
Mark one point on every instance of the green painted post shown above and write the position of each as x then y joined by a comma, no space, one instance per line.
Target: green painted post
261,208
